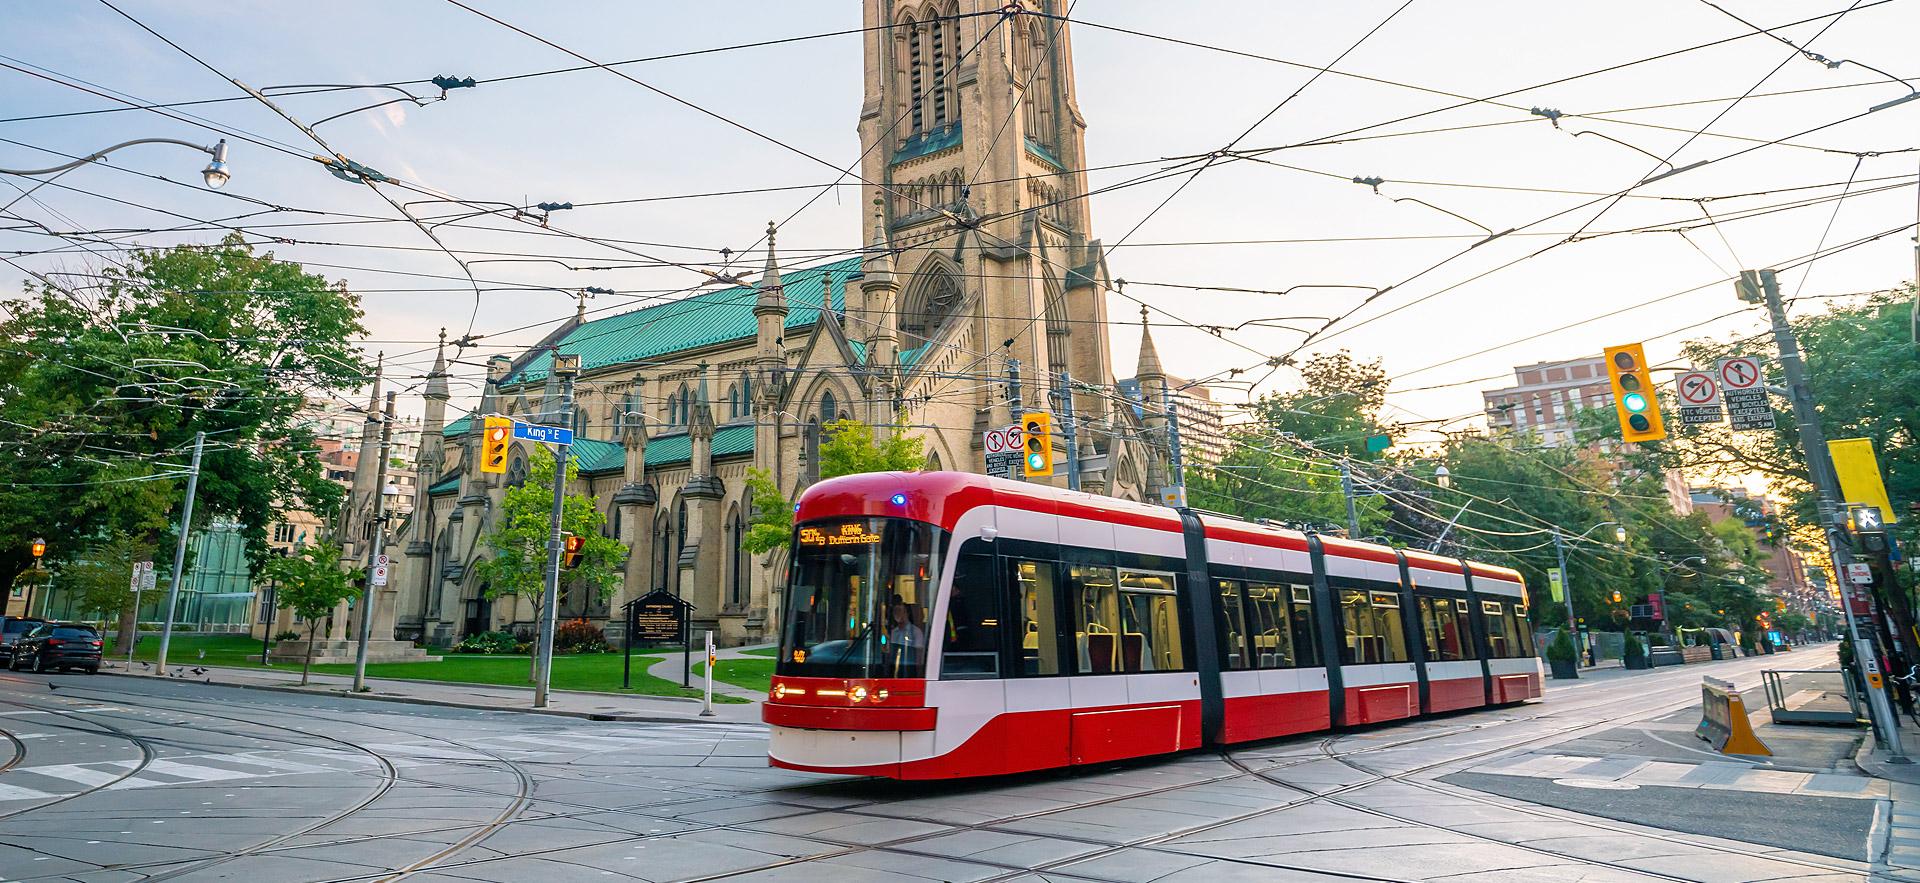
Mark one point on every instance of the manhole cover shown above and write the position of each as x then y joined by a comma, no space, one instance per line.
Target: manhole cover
1597,784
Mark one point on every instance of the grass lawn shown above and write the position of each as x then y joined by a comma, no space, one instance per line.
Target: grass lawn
768,652
752,674
595,671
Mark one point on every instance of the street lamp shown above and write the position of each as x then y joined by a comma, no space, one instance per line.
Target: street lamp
216,174
1442,477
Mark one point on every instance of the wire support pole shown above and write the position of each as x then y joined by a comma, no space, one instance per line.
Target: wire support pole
180,552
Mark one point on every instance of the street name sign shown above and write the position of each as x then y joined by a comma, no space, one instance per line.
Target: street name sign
553,435
1699,393
1744,387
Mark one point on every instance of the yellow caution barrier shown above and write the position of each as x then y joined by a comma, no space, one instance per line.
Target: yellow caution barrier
1723,720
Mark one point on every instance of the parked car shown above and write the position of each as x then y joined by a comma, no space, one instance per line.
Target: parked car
11,628
57,645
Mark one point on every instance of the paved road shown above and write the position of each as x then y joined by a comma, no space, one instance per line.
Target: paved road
117,779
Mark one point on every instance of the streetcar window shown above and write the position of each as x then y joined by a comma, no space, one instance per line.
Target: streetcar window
971,644
1502,640
857,599
1235,648
1272,626
1448,637
1096,615
1038,621
1305,643
1149,622
1522,631
1374,631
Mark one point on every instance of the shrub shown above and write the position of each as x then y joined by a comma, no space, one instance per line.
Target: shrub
1561,649
1632,648
523,648
489,643
287,636
579,636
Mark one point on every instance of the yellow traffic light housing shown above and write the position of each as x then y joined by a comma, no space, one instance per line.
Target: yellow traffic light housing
1633,397
493,444
1037,459
570,555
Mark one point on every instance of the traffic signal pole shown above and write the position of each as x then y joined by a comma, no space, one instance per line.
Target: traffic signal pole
376,543
1813,444
179,556
565,367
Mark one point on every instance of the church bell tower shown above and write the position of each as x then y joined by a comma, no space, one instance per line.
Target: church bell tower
974,156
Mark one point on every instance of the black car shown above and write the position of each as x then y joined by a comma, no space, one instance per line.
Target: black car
11,629
62,645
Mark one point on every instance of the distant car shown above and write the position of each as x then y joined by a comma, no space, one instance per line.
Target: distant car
57,645
11,629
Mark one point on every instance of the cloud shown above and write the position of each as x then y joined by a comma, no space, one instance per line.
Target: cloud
396,114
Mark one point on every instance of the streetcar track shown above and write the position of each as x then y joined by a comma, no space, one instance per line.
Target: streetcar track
1326,747
147,757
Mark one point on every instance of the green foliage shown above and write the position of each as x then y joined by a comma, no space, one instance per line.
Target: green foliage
288,635
100,580
1632,648
1561,648
491,643
169,342
847,447
1282,465
311,583
579,636
518,564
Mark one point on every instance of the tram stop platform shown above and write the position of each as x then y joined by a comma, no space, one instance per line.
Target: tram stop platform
1809,796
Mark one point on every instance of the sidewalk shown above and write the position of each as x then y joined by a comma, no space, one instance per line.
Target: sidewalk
482,697
1902,852
671,667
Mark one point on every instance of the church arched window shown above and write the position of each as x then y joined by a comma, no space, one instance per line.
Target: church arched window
937,40
934,297
829,407
810,448
916,86
581,421
1038,97
663,555
737,557
746,393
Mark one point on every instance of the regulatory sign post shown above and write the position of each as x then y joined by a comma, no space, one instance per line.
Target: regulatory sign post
1744,387
1699,393
1003,447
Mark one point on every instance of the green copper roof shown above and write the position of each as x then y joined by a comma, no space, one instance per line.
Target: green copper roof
458,426
699,320
595,455
932,141
445,485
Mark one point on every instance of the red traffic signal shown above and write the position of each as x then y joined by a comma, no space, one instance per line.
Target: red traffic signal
571,552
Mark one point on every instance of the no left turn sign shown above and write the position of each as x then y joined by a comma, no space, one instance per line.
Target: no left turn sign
1698,388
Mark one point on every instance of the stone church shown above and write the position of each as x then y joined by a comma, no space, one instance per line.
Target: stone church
977,290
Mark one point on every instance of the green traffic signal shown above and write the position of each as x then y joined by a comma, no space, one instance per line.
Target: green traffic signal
1635,402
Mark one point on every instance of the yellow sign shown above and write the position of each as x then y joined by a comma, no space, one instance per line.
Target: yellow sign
844,535
1859,473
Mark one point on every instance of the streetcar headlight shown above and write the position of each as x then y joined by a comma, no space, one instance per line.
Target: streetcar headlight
880,696
857,694
779,691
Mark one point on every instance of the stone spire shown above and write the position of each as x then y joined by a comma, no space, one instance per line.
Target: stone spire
437,378
360,501
879,289
702,483
1149,367
772,296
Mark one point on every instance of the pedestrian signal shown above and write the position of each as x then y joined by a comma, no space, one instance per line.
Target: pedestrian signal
493,444
1037,459
1633,398
570,555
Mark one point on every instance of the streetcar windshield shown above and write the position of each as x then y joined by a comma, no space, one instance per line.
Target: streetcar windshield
858,597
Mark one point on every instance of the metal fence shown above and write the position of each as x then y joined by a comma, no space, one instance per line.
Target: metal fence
1818,696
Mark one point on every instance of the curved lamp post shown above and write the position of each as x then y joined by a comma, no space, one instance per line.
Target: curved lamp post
216,174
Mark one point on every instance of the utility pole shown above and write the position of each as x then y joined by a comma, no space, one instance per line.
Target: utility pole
1346,490
376,544
1566,589
1813,445
564,367
1066,428
1177,463
179,555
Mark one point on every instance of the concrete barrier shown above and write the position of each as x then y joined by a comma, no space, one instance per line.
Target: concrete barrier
1723,720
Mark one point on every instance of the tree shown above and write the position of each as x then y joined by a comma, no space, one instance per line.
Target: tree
312,584
102,387
848,447
1282,464
101,579
517,566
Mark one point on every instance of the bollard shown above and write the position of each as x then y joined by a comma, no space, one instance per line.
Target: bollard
706,709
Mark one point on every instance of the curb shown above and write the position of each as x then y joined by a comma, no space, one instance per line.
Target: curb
442,703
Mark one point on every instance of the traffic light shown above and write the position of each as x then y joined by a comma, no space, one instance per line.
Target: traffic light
570,554
39,547
1633,398
1038,426
493,444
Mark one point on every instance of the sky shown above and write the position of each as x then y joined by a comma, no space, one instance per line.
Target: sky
1292,231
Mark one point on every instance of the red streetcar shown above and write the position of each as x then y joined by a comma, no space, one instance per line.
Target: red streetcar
943,625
